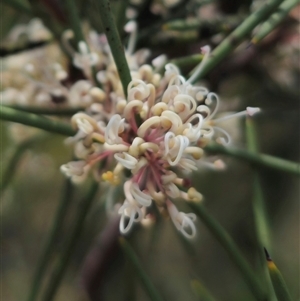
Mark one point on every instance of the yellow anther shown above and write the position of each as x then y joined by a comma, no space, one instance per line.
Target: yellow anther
159,108
194,195
98,94
98,137
196,152
110,177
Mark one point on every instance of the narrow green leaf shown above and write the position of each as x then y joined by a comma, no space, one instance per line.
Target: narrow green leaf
258,159
274,20
232,249
114,41
278,282
10,114
237,36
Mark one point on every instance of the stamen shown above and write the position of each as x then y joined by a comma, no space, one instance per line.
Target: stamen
206,51
209,100
223,140
131,27
159,61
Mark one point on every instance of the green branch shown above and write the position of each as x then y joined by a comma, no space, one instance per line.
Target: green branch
259,159
114,41
47,111
274,20
261,218
70,244
14,161
37,121
236,37
232,249
146,282
259,208
74,20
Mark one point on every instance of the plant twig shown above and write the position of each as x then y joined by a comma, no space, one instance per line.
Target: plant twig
114,41
274,20
73,237
146,282
74,20
13,163
235,38
232,249
260,214
37,121
261,218
47,111
121,17
258,159
45,257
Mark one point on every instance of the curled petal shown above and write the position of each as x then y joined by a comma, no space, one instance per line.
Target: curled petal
173,119
178,145
142,198
126,160
137,90
132,212
193,132
113,128
182,221
185,105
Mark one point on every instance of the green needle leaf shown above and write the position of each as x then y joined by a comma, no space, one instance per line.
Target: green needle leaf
278,282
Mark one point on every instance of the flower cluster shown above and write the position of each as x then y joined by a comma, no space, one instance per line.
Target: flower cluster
156,135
